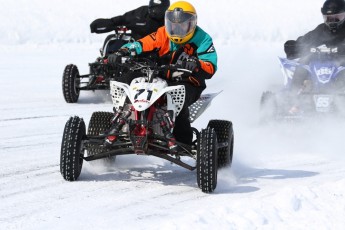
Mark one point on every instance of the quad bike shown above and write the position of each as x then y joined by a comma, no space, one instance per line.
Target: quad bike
142,123
321,93
100,72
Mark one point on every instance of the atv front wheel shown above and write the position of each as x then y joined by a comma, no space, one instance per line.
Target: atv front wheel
207,160
99,123
224,133
268,106
72,149
70,83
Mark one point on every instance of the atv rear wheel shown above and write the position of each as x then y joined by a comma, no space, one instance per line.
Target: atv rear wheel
70,83
207,160
72,149
99,123
224,133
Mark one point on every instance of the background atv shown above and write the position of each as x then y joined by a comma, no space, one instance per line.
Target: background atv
321,93
142,124
100,72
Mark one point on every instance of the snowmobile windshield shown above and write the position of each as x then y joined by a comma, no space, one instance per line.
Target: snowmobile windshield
179,23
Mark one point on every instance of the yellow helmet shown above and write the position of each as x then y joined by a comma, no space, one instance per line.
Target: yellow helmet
180,22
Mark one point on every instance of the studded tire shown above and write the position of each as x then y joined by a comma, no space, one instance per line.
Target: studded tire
70,83
72,149
207,160
100,122
225,133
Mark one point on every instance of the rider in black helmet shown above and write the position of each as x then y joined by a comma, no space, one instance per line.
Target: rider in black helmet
334,14
330,33
141,21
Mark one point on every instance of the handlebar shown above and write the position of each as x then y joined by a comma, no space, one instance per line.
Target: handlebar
144,63
175,67
151,69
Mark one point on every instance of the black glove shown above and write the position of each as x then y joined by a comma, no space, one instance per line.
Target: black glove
102,26
188,62
291,49
117,56
191,63
182,57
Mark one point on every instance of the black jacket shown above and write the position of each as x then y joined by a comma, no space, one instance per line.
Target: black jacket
321,35
137,20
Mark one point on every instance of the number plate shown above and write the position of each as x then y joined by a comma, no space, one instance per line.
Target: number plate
323,102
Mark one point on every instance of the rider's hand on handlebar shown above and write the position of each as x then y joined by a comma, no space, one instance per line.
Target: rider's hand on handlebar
188,62
191,63
117,56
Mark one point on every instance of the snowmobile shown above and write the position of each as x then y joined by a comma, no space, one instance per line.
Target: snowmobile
322,93
142,124
100,72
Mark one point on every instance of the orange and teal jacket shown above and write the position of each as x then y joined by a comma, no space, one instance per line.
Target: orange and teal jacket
200,46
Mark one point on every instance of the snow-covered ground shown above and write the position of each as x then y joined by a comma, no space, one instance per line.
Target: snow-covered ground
284,176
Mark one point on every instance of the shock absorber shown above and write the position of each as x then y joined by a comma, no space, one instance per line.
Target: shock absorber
117,114
166,124
168,118
118,121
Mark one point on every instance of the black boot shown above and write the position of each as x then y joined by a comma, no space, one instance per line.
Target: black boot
183,131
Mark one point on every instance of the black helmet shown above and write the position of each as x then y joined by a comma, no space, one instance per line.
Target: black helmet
333,12
157,8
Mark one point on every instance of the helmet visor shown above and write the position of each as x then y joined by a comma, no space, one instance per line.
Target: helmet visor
334,18
179,23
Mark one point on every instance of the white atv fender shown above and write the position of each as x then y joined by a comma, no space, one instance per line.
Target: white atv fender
143,94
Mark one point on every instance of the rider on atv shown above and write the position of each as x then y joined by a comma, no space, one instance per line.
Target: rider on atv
182,42
128,27
141,21
330,33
